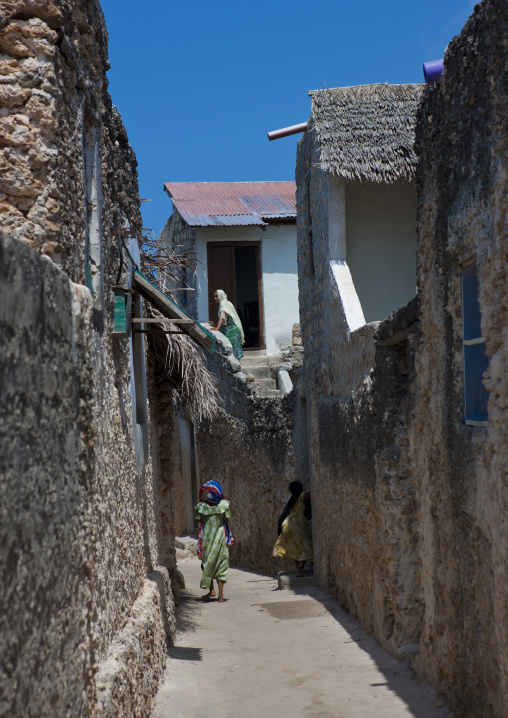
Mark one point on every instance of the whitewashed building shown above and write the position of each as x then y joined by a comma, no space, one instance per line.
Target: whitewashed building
357,196
245,236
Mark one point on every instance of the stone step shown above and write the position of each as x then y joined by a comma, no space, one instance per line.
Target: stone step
263,390
186,543
254,353
250,363
268,383
260,372
287,579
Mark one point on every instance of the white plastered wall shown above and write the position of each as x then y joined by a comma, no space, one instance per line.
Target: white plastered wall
279,276
372,246
381,244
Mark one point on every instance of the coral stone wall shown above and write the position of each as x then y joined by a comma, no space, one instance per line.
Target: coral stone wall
248,448
461,470
53,94
358,398
47,567
79,521
86,606
410,502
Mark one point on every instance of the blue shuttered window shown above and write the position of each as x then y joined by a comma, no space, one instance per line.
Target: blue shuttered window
475,359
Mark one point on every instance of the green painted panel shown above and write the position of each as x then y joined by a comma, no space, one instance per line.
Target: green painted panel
120,314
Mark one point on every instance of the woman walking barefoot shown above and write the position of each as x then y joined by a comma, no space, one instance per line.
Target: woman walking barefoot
295,533
214,538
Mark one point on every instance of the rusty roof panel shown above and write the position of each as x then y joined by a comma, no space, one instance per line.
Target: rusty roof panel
232,203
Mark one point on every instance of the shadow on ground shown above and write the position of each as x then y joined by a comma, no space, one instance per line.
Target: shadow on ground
186,612
394,670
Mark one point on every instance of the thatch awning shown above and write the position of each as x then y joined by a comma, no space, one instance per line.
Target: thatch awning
367,132
171,310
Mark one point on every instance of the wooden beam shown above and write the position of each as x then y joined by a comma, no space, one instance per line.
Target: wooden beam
156,331
162,320
171,310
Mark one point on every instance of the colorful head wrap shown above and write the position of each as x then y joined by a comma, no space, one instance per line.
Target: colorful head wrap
211,492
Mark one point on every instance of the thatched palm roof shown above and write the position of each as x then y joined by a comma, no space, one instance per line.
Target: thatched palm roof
366,132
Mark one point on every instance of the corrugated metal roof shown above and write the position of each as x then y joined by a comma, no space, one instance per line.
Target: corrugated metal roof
204,204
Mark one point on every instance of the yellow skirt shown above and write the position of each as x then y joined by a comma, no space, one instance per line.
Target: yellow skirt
295,540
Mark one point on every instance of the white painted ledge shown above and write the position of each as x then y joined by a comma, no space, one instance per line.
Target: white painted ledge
347,293
284,382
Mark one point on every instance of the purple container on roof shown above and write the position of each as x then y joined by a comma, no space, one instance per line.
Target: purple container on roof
432,70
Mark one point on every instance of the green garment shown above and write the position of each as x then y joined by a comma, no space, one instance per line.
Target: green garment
215,558
231,331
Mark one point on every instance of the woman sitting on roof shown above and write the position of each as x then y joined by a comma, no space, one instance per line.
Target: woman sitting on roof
229,323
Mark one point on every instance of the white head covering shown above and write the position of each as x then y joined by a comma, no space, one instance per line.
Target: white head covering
226,306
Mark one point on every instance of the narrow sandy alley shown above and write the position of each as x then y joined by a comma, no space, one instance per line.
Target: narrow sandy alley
277,654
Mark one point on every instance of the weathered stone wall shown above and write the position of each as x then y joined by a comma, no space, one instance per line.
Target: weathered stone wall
358,396
53,97
81,526
460,471
364,507
409,502
249,450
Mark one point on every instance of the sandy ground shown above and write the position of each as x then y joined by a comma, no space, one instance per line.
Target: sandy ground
266,653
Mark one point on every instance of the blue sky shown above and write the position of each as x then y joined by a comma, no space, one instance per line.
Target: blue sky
199,84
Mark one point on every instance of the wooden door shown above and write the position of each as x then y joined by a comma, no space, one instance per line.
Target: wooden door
221,275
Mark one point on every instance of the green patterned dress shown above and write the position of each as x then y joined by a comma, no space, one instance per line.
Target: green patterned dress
231,331
215,558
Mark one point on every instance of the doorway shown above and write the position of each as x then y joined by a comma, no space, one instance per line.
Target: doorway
235,267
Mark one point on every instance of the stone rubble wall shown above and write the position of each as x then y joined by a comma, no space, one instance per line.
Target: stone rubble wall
409,503
248,449
460,471
81,511
363,492
79,521
53,85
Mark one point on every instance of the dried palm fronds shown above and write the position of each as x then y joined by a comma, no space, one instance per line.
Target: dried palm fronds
367,133
165,265
195,388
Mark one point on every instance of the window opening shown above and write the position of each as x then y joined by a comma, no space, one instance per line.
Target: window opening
476,361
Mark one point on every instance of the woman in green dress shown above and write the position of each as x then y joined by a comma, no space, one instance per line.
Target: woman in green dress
214,537
229,323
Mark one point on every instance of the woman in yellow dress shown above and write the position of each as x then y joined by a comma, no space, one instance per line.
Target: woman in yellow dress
295,532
